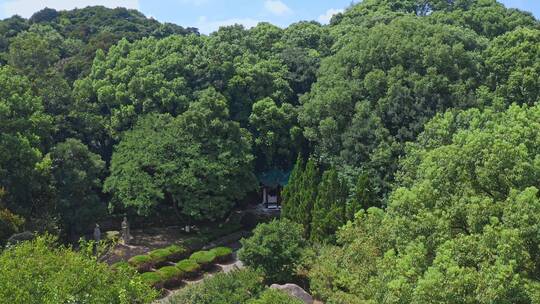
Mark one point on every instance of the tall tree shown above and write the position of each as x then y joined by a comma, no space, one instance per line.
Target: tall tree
23,130
199,162
308,195
329,209
291,192
76,178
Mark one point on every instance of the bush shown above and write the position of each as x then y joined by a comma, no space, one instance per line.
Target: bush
203,258
9,224
275,249
159,256
143,263
152,279
236,287
172,276
190,268
41,271
122,265
273,296
176,253
222,254
172,253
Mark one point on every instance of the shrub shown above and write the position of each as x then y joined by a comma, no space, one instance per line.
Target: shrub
273,296
41,271
172,253
153,279
235,287
159,255
190,268
222,254
9,223
172,276
142,263
176,253
123,265
203,258
275,249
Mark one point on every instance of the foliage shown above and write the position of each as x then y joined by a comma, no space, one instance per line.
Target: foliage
236,287
203,257
162,159
76,179
460,226
273,296
329,209
188,266
274,249
41,271
377,91
222,254
291,192
23,129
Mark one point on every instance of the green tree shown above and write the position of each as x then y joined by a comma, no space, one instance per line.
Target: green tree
513,64
42,271
274,249
291,192
273,130
237,287
199,162
23,130
76,177
329,209
364,196
382,85
308,195
461,225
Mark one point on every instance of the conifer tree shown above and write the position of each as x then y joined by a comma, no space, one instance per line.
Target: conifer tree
308,195
291,192
364,196
329,210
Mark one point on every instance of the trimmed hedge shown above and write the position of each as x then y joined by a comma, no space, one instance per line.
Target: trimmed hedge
203,258
177,253
171,276
153,279
222,254
143,263
189,267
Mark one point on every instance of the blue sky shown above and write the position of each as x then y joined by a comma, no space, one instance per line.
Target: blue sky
208,15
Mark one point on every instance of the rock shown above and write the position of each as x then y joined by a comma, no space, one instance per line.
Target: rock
20,237
294,291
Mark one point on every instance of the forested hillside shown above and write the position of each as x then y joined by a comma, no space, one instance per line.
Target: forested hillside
410,128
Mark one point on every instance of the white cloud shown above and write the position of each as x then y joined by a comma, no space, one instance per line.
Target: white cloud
326,17
206,26
27,8
277,7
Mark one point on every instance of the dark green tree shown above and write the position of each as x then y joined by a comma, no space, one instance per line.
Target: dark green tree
291,192
274,249
308,195
329,209
76,178
199,162
364,196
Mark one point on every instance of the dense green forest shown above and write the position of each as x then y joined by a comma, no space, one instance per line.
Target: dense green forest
411,129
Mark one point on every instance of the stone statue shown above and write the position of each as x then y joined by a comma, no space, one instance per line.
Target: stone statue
126,237
97,233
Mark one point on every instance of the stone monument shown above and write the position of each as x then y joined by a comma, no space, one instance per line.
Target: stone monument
97,233
126,237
